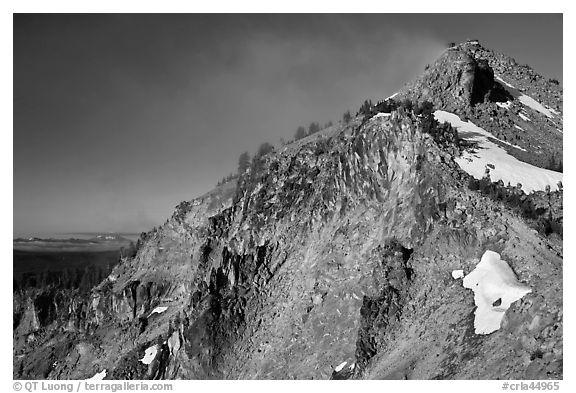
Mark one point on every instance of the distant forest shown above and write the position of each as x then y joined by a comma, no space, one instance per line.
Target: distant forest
66,269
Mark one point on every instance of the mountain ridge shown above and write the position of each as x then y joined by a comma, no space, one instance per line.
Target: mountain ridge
331,257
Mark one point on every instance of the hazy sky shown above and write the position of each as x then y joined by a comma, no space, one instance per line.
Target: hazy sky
118,118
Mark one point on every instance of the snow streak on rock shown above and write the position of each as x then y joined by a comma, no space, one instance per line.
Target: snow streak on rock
158,310
532,103
495,288
504,82
553,111
526,100
502,165
524,117
505,105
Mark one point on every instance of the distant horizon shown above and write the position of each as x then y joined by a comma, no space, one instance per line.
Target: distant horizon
44,235
120,117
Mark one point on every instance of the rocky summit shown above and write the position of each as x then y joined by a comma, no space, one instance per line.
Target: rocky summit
343,254
515,104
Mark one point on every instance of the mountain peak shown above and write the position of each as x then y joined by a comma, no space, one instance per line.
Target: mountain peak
339,248
456,81
511,101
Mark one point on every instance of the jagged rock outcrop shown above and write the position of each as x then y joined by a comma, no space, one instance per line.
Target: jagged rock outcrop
337,248
497,94
456,82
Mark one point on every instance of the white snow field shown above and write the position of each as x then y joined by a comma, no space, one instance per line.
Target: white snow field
150,354
98,376
456,274
158,310
506,167
526,100
495,288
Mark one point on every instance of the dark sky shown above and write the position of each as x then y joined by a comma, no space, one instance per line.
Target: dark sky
118,118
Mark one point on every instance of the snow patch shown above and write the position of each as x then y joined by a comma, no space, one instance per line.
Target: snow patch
381,114
505,105
518,127
392,96
495,288
340,366
98,376
150,354
506,167
456,274
158,310
532,103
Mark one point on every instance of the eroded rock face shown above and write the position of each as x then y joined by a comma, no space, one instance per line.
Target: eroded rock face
382,310
338,248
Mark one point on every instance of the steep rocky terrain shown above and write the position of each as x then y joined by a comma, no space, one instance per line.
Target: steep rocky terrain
330,258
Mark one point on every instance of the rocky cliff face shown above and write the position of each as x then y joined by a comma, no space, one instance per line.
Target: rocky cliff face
331,258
